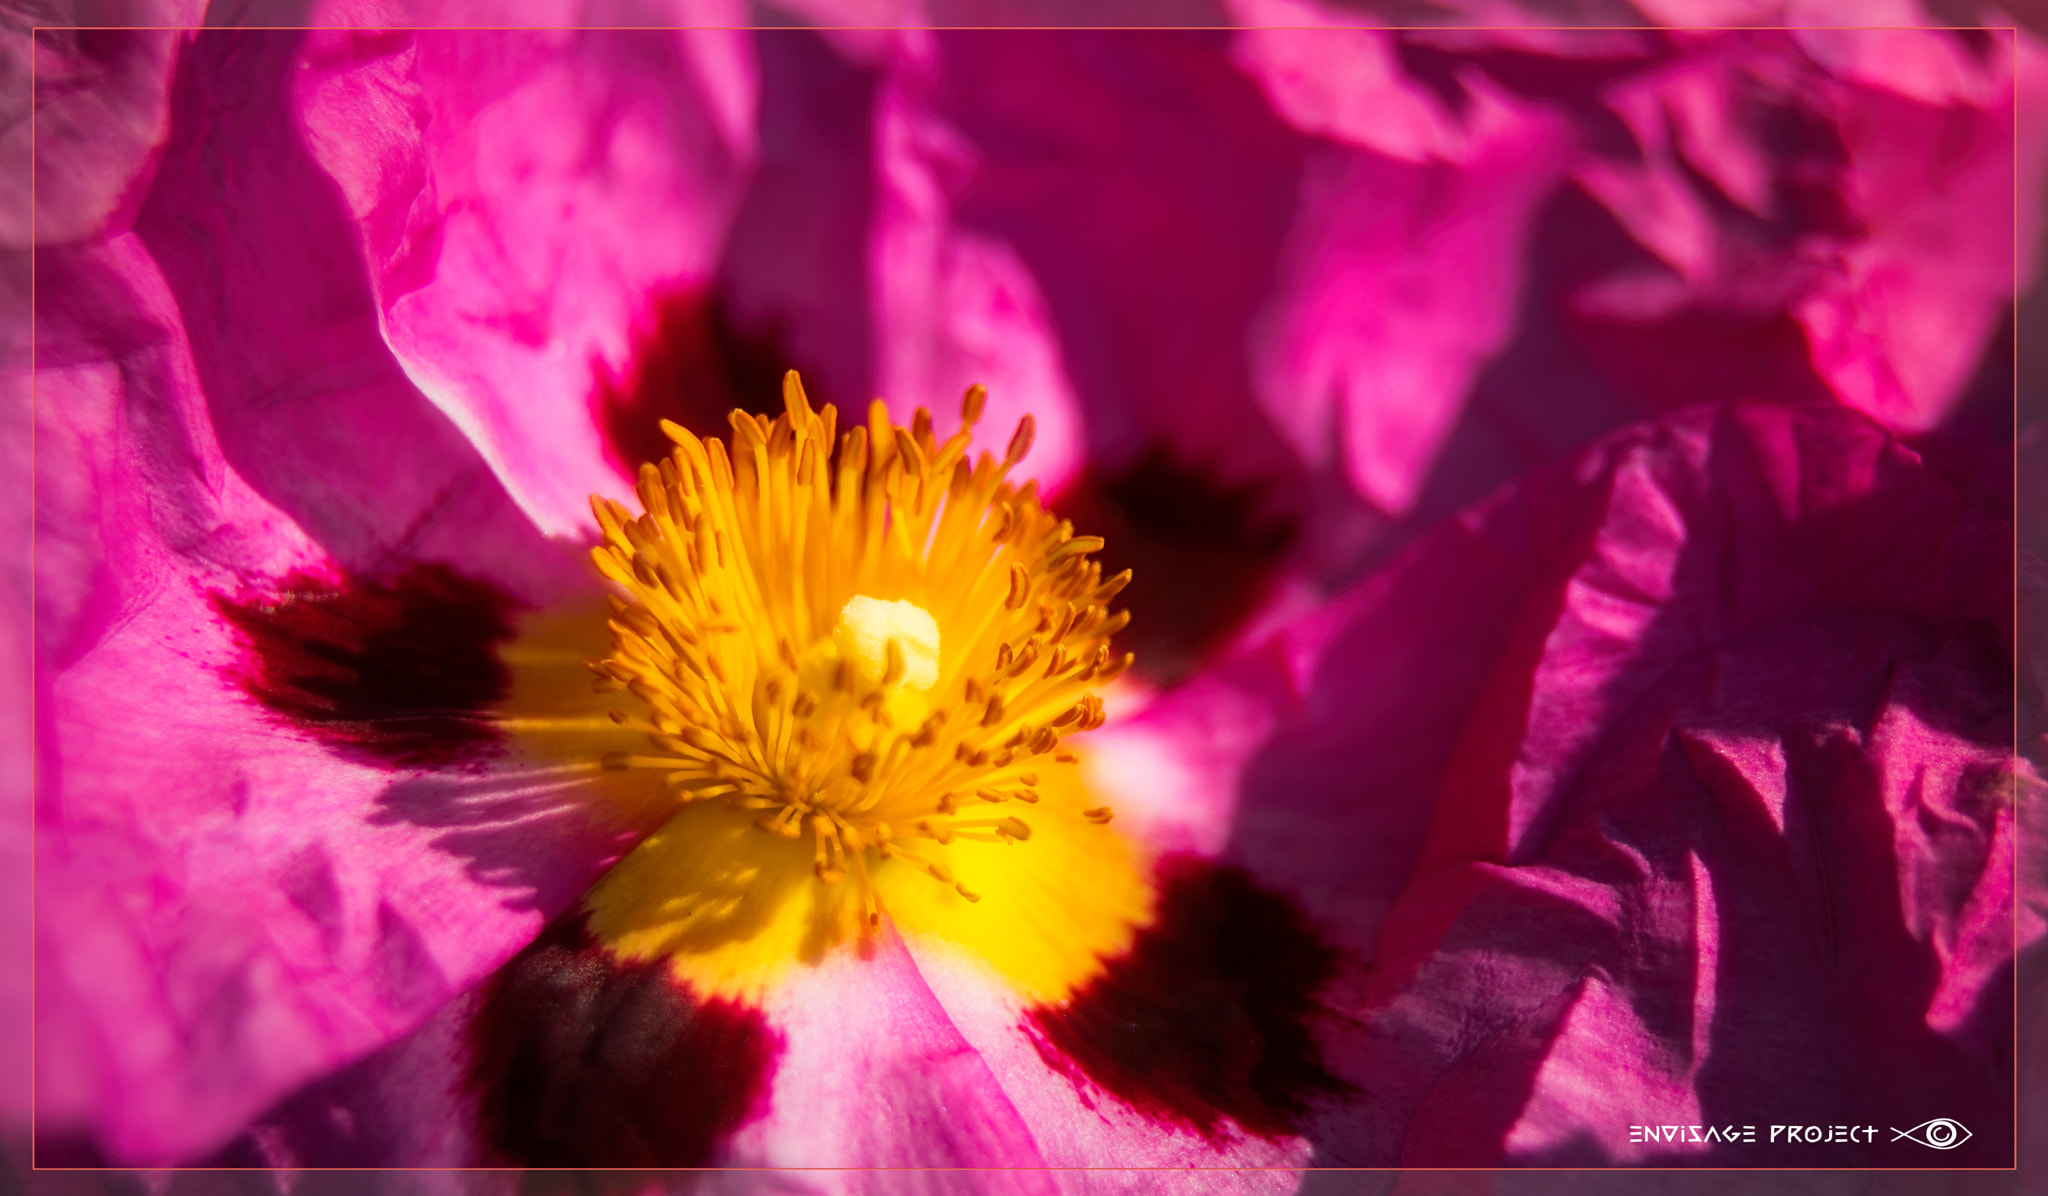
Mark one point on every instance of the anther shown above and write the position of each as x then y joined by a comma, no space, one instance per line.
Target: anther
795,725
1020,441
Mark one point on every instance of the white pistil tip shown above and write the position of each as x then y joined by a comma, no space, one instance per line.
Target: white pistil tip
866,625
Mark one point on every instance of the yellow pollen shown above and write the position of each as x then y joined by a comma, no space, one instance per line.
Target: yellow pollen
854,638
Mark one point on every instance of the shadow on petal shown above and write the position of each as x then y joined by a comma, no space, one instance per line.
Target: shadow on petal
542,819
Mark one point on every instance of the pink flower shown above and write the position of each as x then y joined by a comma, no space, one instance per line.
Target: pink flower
1572,604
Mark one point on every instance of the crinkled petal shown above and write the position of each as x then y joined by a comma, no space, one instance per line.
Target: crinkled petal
1742,804
522,198
225,908
1667,770
401,1105
1860,181
259,254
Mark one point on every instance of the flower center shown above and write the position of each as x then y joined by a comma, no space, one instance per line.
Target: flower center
898,640
880,646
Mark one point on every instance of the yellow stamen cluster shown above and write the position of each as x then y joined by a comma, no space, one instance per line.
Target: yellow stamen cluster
758,584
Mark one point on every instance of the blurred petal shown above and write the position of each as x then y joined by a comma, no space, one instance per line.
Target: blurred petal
954,307
101,112
1859,180
401,1105
1105,161
521,199
1899,329
1401,274
17,698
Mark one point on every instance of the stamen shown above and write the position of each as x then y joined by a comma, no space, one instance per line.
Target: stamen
845,632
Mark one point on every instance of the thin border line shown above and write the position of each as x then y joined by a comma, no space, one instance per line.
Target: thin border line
35,31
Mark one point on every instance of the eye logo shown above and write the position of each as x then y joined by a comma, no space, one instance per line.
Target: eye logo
1940,1133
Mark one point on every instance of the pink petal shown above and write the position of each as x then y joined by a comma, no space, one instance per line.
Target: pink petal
955,307
1921,64
521,199
401,1105
100,116
1765,694
792,286
1594,777
876,1075
1899,329
1823,176
224,910
17,734
1118,168
1402,271
1072,1124
264,272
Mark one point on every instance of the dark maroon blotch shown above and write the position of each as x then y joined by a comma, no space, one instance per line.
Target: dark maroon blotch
1209,1015
578,1059
1200,554
693,364
399,672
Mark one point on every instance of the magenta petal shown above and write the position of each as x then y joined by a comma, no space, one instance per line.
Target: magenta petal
223,911
1402,271
1861,182
17,752
954,306
1737,806
1071,1123
402,1105
521,199
101,112
1899,329
1147,186
874,1074
1634,785
267,277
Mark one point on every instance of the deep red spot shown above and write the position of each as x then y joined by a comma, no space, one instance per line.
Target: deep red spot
1200,555
692,363
399,672
580,1060
1209,1015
